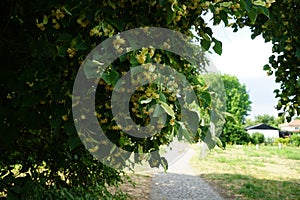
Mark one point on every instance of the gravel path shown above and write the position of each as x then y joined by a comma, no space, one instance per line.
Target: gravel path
181,182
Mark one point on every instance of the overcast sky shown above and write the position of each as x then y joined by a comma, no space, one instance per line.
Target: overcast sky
245,58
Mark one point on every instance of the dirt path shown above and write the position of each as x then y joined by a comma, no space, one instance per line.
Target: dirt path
181,182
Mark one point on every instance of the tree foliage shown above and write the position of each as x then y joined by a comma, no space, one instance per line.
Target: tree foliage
257,138
265,119
238,105
43,44
282,29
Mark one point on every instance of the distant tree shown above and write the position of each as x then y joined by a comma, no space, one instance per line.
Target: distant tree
237,106
265,119
257,138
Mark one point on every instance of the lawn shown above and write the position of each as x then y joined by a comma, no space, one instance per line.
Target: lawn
244,172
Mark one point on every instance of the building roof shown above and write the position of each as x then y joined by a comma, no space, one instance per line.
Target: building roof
261,126
294,123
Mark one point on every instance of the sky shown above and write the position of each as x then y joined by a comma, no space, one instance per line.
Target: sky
245,58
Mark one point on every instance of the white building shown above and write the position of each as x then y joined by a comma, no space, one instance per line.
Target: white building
266,130
293,126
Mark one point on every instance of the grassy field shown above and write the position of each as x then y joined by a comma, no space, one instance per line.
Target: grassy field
244,172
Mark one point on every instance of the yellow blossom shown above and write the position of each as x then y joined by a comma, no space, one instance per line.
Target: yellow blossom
95,32
71,52
172,122
56,26
151,52
103,121
157,58
166,45
59,14
118,42
41,26
140,58
64,117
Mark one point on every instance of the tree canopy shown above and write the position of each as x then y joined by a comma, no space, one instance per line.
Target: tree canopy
282,29
43,44
265,119
238,105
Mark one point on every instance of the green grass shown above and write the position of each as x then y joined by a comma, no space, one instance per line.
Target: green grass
249,173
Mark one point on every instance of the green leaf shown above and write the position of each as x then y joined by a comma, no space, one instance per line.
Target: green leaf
162,97
154,160
145,101
206,97
298,53
230,117
208,31
82,46
12,196
194,107
123,57
164,163
253,15
111,77
62,51
133,61
68,12
205,44
193,120
264,11
218,46
114,77
225,4
224,17
90,69
259,3
162,2
170,15
158,111
31,100
246,4
70,128
65,37
17,189
119,23
74,142
206,37
8,135
167,108
266,67
184,131
55,122
218,141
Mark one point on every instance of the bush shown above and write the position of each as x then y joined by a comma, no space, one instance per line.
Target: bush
270,141
284,141
257,138
295,140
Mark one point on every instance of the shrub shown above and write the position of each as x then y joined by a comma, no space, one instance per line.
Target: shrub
284,141
257,138
270,141
295,140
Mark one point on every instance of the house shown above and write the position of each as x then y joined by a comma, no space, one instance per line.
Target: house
293,126
266,130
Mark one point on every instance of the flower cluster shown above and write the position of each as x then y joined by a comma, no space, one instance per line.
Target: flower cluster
118,42
142,55
71,51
